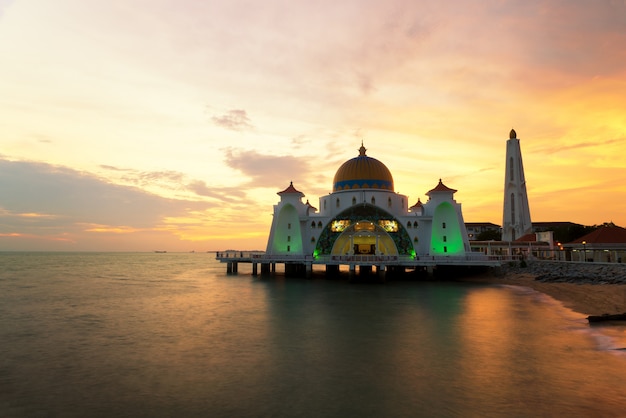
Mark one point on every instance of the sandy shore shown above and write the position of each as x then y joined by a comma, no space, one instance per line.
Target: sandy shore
588,299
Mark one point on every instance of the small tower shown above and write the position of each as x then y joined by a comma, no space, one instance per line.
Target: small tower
448,233
516,213
286,231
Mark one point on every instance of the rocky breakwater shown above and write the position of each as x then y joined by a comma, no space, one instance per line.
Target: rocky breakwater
572,272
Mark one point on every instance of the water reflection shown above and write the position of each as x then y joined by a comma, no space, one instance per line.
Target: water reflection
436,348
165,335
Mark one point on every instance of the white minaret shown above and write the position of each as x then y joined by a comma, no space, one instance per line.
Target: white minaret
516,214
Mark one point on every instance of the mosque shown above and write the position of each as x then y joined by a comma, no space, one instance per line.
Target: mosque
365,219
364,222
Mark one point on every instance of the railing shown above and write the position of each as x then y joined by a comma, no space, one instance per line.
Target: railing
363,258
468,259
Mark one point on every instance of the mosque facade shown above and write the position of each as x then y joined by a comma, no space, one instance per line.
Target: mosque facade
365,216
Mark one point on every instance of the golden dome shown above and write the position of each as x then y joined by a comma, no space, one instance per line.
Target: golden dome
362,172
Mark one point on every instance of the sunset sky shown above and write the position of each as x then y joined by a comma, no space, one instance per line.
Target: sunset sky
140,125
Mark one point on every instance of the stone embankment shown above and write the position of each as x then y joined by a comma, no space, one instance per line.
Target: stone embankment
571,272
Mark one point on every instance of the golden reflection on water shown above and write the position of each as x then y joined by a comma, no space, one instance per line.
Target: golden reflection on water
172,336
517,353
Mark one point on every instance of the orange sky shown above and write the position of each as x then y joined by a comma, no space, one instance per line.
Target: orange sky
158,124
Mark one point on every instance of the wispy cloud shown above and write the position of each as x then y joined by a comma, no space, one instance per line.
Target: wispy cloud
229,194
551,149
236,119
269,170
44,200
175,181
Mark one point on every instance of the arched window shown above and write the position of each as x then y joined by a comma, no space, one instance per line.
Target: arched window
337,202
354,201
408,225
415,224
389,201
312,239
373,200
443,225
313,224
319,224
512,208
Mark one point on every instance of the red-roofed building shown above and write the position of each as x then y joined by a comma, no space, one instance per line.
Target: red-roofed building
605,244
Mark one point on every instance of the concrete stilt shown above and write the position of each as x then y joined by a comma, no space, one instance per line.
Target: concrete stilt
332,269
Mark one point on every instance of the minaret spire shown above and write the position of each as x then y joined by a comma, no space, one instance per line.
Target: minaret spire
362,150
516,212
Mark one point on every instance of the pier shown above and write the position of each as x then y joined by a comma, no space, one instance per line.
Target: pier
303,265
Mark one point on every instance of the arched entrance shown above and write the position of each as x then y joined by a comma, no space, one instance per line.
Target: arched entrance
375,227
364,238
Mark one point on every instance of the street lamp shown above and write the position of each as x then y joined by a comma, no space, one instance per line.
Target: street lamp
585,251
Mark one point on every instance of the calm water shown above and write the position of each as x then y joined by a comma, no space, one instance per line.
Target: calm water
149,335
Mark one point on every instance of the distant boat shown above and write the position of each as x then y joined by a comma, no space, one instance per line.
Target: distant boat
607,317
160,251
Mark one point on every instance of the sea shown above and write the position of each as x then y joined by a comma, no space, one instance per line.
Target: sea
174,335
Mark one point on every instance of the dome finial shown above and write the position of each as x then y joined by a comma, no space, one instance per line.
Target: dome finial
512,134
362,150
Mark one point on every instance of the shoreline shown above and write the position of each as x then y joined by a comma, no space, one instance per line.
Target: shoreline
584,298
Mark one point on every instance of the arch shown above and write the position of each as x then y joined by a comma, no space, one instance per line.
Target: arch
364,238
365,212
